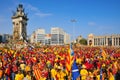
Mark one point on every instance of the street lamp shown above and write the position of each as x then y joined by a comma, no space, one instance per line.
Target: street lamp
73,21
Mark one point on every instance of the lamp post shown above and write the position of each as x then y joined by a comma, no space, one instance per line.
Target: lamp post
73,36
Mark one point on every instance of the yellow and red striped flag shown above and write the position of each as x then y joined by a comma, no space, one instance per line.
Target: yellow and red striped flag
36,72
69,59
104,55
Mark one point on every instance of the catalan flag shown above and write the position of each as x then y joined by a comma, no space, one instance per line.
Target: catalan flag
103,53
69,59
37,72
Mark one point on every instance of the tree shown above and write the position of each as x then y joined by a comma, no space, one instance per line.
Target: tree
83,41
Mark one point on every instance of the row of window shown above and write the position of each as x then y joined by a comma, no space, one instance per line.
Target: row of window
108,41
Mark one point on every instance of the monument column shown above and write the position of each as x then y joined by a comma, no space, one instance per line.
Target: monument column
115,41
20,29
19,18
119,40
112,41
107,41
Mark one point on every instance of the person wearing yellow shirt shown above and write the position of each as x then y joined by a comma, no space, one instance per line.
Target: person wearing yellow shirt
53,73
83,73
90,75
78,60
19,76
27,68
98,75
28,76
60,74
22,66
111,76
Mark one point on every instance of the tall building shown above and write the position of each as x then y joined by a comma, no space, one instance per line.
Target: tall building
5,37
48,39
33,38
19,20
38,36
57,36
66,38
0,38
105,40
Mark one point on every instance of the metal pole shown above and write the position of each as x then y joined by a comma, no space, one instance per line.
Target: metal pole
73,21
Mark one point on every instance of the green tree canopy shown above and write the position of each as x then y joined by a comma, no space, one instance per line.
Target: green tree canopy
83,41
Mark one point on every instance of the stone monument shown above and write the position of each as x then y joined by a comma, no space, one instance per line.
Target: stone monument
19,20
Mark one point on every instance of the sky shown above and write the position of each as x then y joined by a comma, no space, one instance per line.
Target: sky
100,17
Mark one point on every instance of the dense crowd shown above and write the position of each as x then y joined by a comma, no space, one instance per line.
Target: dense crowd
49,63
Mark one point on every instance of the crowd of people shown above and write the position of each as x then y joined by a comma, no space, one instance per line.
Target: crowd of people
49,63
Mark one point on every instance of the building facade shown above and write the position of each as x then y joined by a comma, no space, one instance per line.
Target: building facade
5,38
66,38
48,39
38,36
33,37
0,38
106,40
57,36
19,20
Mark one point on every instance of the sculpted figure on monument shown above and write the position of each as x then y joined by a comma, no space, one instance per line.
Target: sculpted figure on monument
16,33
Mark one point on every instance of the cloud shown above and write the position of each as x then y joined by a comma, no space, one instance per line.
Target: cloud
43,14
36,11
91,23
32,8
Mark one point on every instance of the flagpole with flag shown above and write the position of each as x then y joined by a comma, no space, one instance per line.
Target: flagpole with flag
71,65
70,51
69,60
